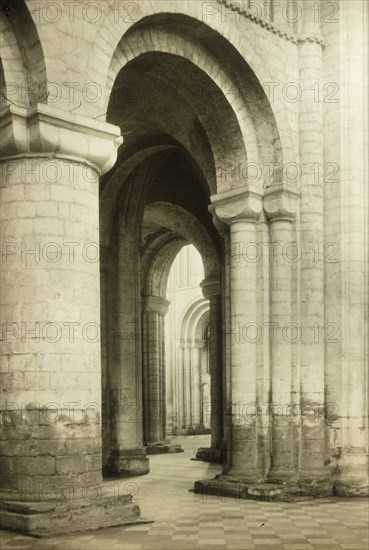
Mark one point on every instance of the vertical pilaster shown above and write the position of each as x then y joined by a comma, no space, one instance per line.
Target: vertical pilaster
352,478
312,470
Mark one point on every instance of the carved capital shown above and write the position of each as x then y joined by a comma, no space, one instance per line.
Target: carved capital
237,205
281,204
222,228
42,130
155,304
210,287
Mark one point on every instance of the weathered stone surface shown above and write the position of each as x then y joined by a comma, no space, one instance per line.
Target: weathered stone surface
209,454
283,492
163,449
54,518
129,462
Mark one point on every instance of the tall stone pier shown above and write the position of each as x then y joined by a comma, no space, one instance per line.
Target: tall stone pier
50,308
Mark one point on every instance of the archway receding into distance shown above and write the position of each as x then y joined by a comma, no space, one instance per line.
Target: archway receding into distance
187,137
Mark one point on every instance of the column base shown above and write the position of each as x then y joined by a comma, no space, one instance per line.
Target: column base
163,448
209,454
351,488
128,462
229,486
352,478
44,519
198,430
193,430
281,476
316,483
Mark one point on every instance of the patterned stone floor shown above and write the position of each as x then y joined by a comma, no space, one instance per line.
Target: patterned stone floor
183,520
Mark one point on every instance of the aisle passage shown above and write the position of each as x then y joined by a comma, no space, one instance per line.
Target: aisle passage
184,520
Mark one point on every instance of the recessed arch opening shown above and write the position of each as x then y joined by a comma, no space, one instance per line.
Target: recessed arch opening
187,137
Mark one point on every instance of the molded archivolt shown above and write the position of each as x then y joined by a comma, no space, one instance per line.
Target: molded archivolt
22,58
231,104
189,324
240,133
202,325
219,117
156,261
223,43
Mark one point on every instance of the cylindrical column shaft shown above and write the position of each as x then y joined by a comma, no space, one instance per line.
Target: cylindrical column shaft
154,309
196,384
181,388
187,387
152,409
50,306
282,333
216,371
243,353
50,317
163,407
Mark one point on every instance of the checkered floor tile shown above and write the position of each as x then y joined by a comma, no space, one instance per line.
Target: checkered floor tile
184,520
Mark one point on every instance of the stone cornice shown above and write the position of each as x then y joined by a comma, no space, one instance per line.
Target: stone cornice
44,130
248,14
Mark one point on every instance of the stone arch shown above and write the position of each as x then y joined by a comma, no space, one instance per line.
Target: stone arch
195,310
257,118
22,57
182,222
190,16
224,120
193,405
156,261
202,324
110,192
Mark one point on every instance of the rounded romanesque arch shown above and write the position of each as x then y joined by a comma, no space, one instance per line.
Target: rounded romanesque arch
109,195
251,73
156,260
226,118
191,399
177,219
202,326
190,321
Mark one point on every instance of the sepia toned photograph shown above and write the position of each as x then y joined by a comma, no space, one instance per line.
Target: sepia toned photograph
184,275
